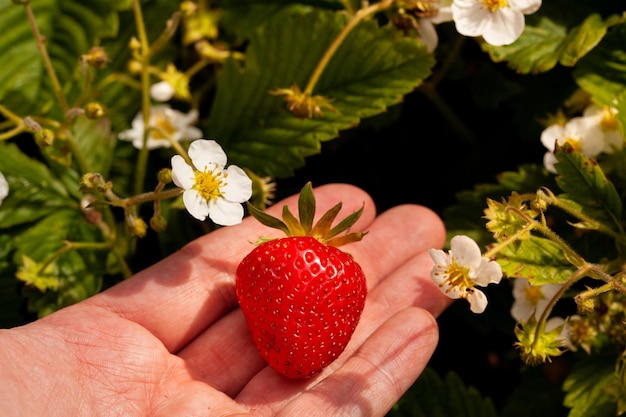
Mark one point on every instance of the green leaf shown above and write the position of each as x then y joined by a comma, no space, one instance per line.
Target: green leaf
465,217
548,41
306,208
70,27
79,272
96,141
582,39
10,298
585,388
584,182
33,191
254,126
539,260
433,396
602,73
243,17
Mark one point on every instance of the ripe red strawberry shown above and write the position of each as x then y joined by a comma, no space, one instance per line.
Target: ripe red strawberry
302,297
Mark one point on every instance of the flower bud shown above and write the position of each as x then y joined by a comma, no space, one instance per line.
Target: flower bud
188,7
138,227
44,138
158,223
93,181
165,175
96,57
134,66
134,44
94,110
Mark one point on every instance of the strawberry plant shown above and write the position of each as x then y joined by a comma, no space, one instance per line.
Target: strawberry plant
302,297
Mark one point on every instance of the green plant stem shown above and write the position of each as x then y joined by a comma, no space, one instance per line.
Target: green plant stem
358,17
135,200
67,246
510,239
541,325
170,29
551,199
12,133
142,158
40,40
570,254
348,6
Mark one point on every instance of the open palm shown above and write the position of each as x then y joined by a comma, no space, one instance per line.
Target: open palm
171,341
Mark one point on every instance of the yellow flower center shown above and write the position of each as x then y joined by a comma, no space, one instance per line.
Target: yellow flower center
609,122
426,9
458,277
162,126
209,183
494,5
575,143
533,294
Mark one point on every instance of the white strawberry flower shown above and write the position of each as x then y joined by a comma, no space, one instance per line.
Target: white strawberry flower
606,118
4,187
584,134
458,272
211,189
531,300
499,22
162,91
163,121
441,12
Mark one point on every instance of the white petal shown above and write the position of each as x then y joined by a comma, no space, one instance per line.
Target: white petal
4,187
161,91
522,310
471,18
549,290
190,118
152,143
195,204
438,256
553,323
188,133
477,300
428,34
489,272
465,251
505,27
551,135
549,160
206,153
451,292
525,6
225,213
239,185
182,174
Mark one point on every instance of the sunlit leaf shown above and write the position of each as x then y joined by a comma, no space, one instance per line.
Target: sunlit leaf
539,260
34,192
602,73
583,180
548,41
78,272
255,127
585,388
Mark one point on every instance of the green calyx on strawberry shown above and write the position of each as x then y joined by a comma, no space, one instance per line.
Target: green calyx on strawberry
301,296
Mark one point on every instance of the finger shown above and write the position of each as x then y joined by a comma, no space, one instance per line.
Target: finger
371,380
225,355
178,297
376,376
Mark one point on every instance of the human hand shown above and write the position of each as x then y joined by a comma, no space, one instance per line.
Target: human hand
170,341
